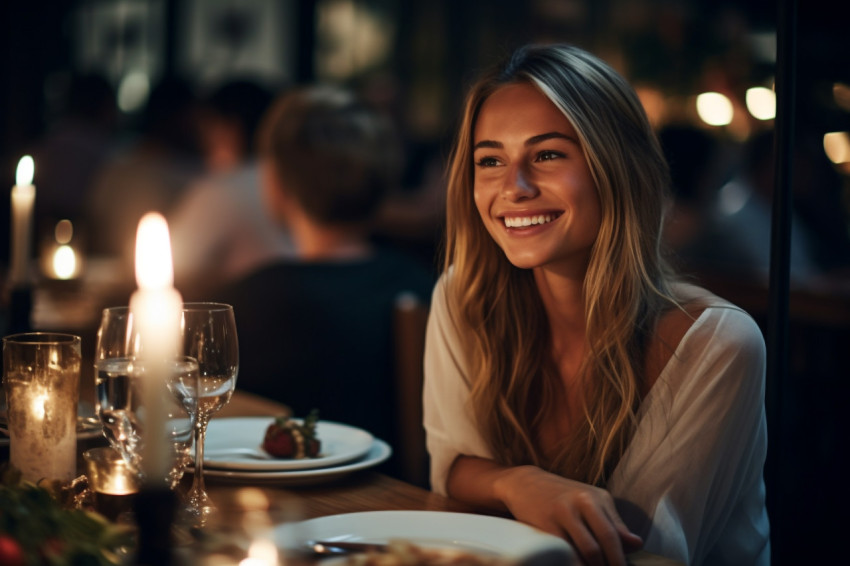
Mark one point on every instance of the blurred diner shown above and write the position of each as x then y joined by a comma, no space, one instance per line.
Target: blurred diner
149,173
316,331
220,227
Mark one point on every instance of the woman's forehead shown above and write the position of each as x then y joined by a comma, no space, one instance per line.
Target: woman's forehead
519,109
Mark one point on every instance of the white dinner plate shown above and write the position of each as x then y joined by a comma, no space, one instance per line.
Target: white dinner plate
226,437
377,454
481,534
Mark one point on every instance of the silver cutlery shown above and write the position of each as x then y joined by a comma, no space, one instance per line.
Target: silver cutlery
336,547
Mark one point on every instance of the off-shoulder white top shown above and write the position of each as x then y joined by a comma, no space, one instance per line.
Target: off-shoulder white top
691,481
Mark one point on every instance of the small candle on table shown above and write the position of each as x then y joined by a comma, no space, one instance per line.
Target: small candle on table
64,264
155,308
23,199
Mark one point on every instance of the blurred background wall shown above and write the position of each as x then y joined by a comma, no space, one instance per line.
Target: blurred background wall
416,57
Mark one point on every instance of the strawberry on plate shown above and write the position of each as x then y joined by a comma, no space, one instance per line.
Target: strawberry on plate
287,438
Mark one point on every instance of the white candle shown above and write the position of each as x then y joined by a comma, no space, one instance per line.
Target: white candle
23,199
155,308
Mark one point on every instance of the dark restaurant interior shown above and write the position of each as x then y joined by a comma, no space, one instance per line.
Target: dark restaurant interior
87,81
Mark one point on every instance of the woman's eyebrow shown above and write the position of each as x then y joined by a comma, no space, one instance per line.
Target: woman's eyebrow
529,142
489,144
548,136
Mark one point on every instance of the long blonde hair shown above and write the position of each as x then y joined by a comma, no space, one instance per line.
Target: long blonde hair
627,286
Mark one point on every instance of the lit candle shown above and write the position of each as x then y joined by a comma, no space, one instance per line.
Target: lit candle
23,199
155,308
64,262
41,376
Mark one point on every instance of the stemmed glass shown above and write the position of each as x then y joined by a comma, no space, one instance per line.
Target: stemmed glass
209,335
119,376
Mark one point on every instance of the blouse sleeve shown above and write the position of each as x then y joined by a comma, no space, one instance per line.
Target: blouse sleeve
695,464
449,423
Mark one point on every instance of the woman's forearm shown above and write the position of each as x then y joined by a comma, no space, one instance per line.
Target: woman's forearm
481,482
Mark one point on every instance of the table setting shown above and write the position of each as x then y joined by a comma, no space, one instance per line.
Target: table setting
234,453
109,484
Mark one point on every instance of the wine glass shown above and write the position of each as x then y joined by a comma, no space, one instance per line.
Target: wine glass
209,335
117,399
119,376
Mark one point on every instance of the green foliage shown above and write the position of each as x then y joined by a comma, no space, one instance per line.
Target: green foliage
51,533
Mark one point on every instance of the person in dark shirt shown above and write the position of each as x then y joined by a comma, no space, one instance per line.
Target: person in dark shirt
317,331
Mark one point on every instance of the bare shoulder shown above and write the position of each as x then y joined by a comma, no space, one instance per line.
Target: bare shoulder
674,324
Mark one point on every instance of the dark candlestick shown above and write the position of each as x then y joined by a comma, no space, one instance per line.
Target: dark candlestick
154,508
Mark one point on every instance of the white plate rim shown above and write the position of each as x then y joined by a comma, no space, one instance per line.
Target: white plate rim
445,529
379,452
329,432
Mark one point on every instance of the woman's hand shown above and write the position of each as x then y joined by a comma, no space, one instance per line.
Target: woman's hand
583,514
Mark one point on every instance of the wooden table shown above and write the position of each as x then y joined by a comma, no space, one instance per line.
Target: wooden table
362,491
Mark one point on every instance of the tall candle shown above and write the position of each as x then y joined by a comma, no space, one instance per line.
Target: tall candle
23,199
155,306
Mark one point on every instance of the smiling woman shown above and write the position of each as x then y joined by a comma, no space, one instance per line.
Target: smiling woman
570,378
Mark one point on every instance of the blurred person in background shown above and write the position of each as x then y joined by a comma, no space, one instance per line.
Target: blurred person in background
71,154
149,174
220,228
734,239
317,331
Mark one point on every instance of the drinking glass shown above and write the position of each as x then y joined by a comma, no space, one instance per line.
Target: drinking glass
209,336
119,377
179,407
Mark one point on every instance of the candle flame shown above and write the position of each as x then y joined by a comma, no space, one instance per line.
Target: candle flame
154,269
25,171
64,262
38,405
261,552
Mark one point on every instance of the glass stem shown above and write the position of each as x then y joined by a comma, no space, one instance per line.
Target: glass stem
198,487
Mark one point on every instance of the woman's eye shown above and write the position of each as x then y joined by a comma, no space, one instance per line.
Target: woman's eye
549,155
487,162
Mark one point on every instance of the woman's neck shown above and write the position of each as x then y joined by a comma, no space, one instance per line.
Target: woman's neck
563,300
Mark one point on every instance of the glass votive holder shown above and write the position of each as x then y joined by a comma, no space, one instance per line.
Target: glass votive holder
41,377
112,482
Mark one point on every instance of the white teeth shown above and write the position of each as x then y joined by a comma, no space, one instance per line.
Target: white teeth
519,222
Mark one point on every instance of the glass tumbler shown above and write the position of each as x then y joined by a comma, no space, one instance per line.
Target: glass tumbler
41,377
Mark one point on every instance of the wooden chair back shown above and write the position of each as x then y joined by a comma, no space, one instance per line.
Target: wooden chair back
410,320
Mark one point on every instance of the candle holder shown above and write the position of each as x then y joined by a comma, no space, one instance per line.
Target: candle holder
112,483
41,376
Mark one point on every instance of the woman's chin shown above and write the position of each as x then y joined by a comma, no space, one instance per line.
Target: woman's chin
524,261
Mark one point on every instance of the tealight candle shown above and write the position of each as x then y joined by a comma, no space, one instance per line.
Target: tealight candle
23,200
60,259
111,481
155,307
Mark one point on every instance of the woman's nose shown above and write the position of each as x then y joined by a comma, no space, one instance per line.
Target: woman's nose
518,185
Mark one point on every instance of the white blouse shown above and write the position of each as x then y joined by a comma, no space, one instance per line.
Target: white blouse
690,482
